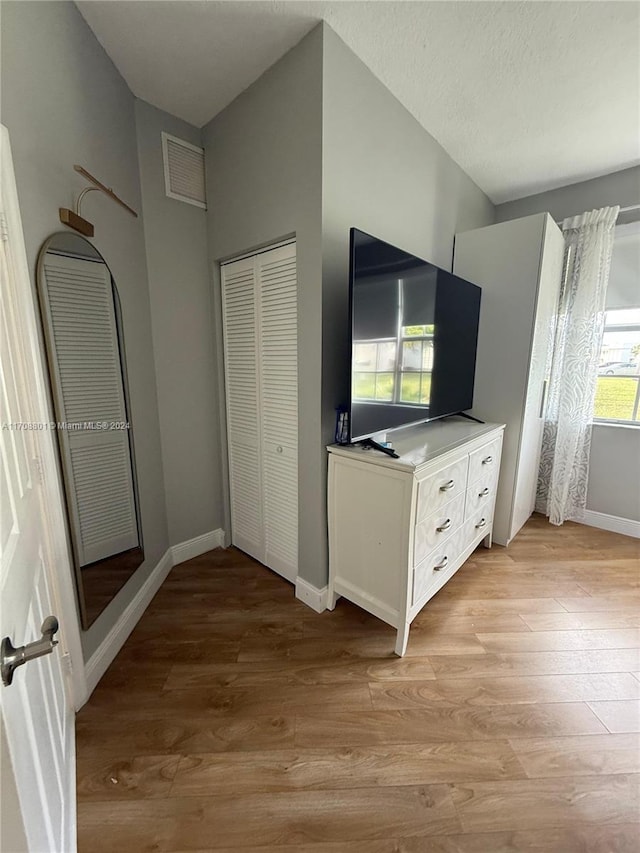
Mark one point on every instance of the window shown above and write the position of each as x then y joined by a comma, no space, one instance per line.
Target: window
618,384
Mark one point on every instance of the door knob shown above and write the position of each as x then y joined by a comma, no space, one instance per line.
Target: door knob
12,658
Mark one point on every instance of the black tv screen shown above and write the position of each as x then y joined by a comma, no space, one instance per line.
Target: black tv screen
414,332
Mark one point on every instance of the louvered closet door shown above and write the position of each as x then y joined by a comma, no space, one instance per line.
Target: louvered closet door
241,388
261,366
87,386
278,285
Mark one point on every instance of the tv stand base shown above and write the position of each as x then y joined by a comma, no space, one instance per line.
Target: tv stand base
465,415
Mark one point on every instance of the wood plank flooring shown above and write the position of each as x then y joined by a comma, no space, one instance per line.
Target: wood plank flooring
237,720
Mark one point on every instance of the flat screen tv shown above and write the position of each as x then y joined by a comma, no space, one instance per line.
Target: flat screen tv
414,332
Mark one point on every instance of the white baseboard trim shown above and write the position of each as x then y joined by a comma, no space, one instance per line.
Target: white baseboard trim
196,546
626,526
310,595
102,658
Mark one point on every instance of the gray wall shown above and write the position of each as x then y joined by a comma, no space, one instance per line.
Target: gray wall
64,103
181,315
621,188
623,290
614,472
264,182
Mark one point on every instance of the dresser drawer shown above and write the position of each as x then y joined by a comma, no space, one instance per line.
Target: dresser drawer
478,525
437,527
445,556
481,497
485,460
441,487
439,561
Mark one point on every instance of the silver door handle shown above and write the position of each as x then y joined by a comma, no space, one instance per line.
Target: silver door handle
447,486
488,460
483,493
443,562
445,526
12,658
481,523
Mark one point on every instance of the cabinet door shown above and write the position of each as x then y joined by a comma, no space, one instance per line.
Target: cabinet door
551,262
278,366
242,398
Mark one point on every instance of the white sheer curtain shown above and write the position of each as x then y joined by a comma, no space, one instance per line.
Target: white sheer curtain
564,465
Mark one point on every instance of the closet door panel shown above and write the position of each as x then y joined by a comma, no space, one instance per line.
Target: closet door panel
242,399
281,510
276,271
279,345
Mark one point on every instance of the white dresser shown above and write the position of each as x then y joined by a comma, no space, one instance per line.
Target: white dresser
399,529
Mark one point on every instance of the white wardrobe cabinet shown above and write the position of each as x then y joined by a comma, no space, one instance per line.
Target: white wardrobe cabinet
259,310
518,265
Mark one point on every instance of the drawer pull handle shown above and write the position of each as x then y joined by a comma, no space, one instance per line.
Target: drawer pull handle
481,523
445,526
488,460
483,493
447,486
443,562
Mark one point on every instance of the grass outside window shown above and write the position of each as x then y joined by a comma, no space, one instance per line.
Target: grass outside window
616,398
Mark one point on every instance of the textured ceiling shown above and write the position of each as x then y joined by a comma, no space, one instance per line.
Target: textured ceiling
525,96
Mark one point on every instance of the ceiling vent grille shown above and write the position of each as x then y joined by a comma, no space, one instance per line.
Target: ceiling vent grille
183,171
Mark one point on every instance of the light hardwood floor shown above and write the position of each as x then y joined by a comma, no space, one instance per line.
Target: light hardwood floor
236,719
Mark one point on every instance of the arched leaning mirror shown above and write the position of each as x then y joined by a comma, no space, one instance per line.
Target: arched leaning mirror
83,333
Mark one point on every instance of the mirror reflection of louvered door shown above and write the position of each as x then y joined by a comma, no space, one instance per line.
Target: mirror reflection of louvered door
259,297
84,356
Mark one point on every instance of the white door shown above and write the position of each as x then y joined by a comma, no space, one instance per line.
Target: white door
37,708
259,309
550,275
241,390
278,340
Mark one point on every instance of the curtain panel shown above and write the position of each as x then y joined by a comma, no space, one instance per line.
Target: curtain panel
566,442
